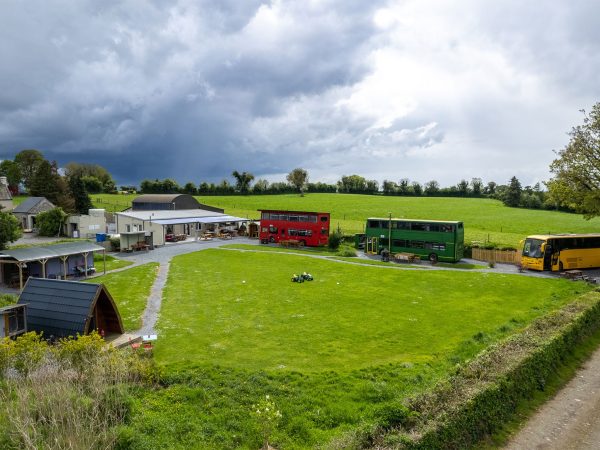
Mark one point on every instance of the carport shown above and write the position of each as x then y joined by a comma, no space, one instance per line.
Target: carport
52,261
199,220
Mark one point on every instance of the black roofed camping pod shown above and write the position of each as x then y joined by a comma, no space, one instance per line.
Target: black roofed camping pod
66,308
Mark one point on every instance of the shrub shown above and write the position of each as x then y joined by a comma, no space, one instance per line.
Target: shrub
50,223
335,239
348,252
115,243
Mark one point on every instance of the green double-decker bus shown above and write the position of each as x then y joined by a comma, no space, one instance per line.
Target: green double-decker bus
435,240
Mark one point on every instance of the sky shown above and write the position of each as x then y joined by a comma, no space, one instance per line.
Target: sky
193,90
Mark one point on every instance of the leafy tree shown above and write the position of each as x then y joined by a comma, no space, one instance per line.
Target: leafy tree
28,162
576,182
512,197
417,188
44,182
190,188
261,186
12,172
298,178
404,187
476,186
432,187
352,184
490,189
91,183
242,181
463,188
50,223
74,169
204,188
10,230
81,199
372,186
389,187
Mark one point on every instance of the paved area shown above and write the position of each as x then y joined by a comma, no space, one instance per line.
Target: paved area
570,421
34,239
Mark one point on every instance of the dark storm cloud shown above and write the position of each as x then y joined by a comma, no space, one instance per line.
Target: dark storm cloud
194,90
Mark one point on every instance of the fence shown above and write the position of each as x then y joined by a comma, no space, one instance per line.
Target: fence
499,256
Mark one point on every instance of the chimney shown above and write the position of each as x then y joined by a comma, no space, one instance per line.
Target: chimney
3,181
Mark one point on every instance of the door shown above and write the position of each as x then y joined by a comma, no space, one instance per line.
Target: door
372,245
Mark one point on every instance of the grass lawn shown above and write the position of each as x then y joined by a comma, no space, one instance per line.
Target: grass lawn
484,219
332,353
130,289
112,263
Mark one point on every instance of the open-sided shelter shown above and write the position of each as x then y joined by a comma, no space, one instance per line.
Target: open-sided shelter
62,308
51,261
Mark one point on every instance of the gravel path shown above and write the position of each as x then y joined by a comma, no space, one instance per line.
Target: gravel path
152,310
571,420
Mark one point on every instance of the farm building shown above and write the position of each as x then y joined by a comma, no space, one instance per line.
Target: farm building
161,202
30,208
5,196
66,308
86,225
13,321
52,261
152,227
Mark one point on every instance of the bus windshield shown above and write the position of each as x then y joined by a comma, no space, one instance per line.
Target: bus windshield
533,248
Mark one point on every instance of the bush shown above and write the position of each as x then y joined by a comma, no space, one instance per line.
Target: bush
115,243
50,223
335,239
347,252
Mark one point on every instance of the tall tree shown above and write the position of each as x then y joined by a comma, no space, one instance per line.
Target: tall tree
432,187
476,186
242,181
512,197
12,172
417,188
81,199
298,178
463,188
44,182
10,230
74,169
576,182
28,162
352,184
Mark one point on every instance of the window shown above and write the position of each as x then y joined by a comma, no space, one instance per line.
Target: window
438,246
417,244
302,218
324,218
324,231
400,243
265,216
264,229
312,219
447,228
418,226
292,232
304,233
128,228
283,217
272,229
374,224
293,218
533,248
403,225
274,216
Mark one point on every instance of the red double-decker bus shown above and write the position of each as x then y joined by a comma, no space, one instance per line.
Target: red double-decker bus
308,228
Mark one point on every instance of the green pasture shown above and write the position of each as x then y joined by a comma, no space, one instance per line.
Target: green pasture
485,220
333,353
130,289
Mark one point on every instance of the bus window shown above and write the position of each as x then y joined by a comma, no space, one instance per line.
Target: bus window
533,248
292,232
400,243
416,226
373,223
403,225
272,229
324,231
417,244
293,219
323,218
447,228
265,216
283,217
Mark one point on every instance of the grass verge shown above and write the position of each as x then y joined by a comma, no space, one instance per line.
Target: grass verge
112,263
130,288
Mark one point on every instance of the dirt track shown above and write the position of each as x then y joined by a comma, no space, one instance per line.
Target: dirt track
571,420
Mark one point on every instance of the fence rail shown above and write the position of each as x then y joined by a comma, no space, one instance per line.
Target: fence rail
499,256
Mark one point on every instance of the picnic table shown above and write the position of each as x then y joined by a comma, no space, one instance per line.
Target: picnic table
290,243
408,257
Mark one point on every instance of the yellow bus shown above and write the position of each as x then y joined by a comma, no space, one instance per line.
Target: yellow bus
559,252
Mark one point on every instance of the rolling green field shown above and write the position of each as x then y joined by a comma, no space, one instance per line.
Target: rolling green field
332,353
485,220
130,289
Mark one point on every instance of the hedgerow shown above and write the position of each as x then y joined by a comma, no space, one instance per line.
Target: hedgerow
484,392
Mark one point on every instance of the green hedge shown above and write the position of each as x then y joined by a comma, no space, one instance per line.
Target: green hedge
484,393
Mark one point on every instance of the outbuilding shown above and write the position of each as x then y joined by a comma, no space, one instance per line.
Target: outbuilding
172,202
59,308
29,209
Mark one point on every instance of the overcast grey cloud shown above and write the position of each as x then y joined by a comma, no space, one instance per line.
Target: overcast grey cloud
422,89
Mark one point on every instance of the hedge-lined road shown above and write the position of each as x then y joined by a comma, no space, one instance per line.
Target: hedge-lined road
571,420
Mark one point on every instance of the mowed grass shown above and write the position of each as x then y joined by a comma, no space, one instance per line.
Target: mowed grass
112,263
485,219
130,289
234,328
243,311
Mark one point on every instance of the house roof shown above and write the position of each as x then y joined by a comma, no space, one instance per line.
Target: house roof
50,251
60,308
157,198
28,204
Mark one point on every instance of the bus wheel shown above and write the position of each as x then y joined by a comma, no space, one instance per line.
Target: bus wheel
301,243
433,258
271,239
